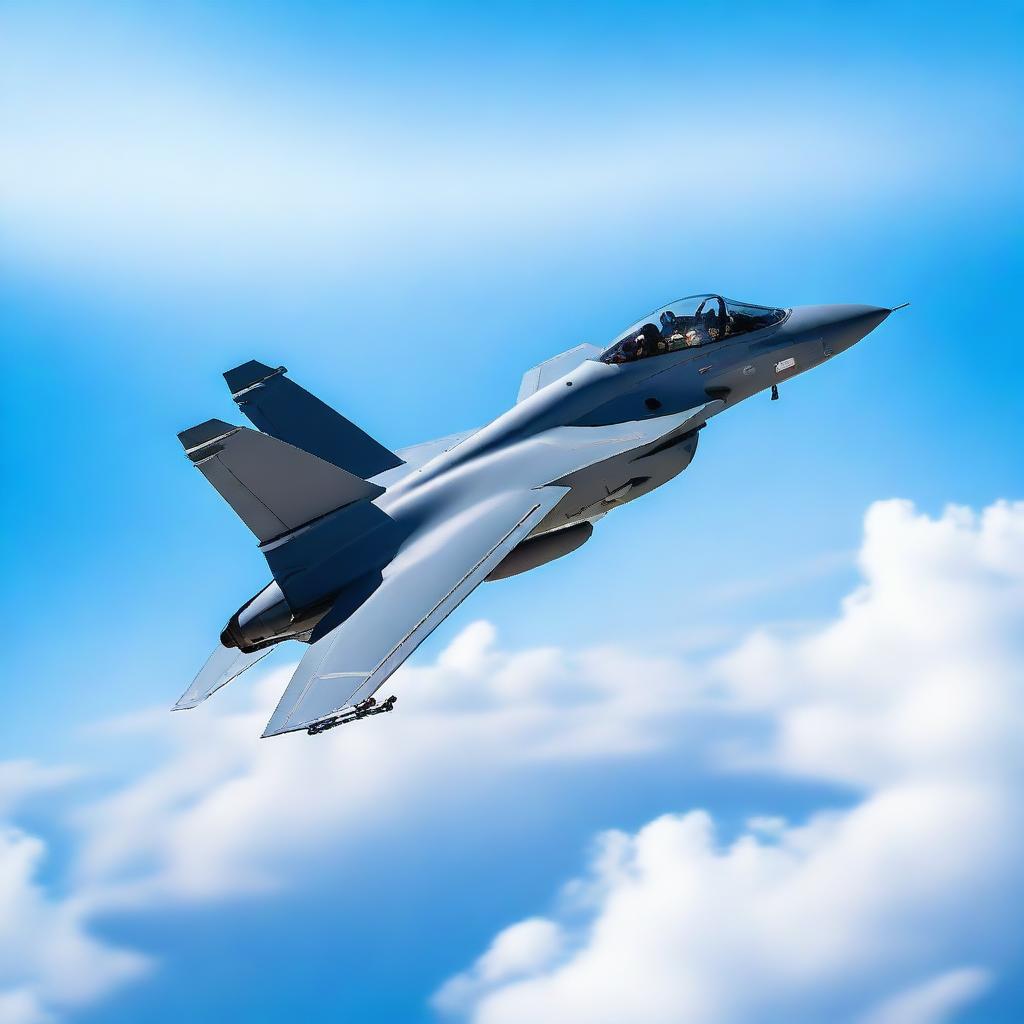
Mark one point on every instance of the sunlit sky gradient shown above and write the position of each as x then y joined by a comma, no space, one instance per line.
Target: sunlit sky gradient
409,206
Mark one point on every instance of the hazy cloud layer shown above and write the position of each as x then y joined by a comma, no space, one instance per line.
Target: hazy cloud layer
137,155
911,695
219,812
48,959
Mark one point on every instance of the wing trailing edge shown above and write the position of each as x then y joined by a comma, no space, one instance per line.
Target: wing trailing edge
420,588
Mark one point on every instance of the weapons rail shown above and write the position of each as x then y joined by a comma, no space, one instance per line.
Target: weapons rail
364,709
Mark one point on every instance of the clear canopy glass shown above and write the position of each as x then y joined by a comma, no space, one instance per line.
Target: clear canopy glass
689,323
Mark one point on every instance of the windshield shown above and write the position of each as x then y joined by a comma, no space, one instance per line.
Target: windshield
689,323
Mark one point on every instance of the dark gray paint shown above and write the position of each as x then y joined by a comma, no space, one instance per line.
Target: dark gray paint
537,551
274,487
365,569
279,407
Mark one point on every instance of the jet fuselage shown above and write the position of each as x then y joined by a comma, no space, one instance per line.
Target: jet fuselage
596,394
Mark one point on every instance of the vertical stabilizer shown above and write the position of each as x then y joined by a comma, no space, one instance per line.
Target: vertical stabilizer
278,406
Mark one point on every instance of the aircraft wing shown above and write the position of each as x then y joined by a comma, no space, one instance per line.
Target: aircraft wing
224,665
426,582
431,576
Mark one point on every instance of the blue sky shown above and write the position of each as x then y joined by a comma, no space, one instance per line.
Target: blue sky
409,206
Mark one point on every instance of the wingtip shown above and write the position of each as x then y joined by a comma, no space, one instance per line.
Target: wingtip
223,665
277,725
270,730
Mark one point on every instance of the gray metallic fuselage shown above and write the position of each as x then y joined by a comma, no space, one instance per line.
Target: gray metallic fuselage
600,394
652,392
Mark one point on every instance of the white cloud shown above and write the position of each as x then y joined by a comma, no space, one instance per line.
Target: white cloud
913,695
22,1006
222,812
933,1001
521,949
21,779
767,825
126,154
218,814
920,674
48,961
846,911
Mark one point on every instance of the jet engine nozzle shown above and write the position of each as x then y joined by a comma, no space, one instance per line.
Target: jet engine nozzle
262,620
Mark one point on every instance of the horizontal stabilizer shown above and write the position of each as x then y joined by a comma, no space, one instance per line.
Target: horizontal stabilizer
225,664
279,407
274,487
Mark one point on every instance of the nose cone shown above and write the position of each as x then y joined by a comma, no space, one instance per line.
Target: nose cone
851,323
839,327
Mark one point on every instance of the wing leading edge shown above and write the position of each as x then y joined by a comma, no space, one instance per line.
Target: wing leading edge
432,575
424,584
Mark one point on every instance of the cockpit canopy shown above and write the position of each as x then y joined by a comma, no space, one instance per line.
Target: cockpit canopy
689,323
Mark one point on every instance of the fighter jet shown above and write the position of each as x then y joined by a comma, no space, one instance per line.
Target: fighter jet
370,549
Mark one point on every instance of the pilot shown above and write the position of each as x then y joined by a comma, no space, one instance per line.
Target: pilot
626,351
650,342
673,330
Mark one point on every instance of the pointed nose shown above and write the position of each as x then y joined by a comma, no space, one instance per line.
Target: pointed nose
839,326
854,323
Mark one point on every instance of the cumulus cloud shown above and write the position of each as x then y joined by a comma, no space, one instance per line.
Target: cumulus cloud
520,950
910,697
913,696
48,959
932,1001
220,811
920,674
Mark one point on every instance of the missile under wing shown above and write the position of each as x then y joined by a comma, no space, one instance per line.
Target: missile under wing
424,583
441,564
